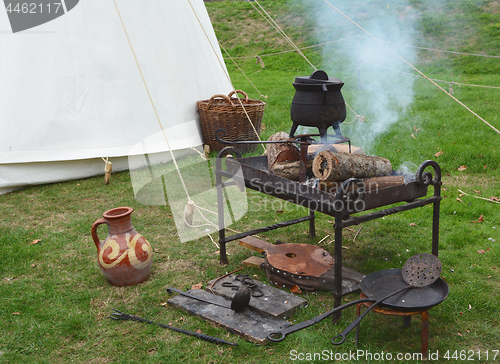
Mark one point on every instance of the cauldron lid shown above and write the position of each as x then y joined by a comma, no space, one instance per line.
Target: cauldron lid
318,77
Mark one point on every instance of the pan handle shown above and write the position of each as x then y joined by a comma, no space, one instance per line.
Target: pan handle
359,318
280,335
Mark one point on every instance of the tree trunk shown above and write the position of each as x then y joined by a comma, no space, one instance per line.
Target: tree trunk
329,166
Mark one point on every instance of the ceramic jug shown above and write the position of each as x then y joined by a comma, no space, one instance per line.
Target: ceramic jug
125,256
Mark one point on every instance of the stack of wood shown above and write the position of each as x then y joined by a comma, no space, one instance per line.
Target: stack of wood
331,164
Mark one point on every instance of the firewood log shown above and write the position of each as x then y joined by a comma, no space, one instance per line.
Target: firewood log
281,152
337,148
329,166
291,170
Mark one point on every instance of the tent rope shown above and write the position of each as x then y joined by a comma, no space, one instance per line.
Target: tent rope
409,64
227,75
271,21
190,201
275,25
91,79
153,104
243,72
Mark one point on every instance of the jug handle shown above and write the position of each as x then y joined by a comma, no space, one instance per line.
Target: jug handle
93,230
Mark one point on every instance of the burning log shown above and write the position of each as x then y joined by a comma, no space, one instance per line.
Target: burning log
330,166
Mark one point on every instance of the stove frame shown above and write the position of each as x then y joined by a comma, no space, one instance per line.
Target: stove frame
340,205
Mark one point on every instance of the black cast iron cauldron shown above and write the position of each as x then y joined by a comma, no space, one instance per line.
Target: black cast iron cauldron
318,102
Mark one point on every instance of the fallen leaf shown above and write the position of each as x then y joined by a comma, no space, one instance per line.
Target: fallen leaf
481,219
495,199
488,277
36,241
295,289
413,224
459,334
197,286
481,251
164,304
459,200
198,331
33,265
470,307
413,136
462,168
467,330
279,211
476,191
16,313
440,153
461,195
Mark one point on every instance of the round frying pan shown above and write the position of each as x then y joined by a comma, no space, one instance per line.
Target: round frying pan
419,271
383,286
379,284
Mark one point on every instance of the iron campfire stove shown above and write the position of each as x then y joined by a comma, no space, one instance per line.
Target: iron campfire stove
351,197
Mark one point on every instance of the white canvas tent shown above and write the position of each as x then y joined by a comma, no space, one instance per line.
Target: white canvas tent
71,92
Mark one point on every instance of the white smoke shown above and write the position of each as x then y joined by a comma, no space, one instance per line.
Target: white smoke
378,84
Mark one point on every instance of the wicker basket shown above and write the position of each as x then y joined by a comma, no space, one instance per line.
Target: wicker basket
224,112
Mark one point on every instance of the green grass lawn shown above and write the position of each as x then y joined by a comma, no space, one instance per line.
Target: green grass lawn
55,303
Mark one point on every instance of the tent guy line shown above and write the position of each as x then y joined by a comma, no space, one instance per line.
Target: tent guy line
228,78
417,70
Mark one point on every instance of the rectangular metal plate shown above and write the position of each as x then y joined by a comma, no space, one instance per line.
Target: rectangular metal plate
274,302
248,324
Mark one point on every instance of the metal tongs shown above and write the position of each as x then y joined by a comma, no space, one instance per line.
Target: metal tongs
118,315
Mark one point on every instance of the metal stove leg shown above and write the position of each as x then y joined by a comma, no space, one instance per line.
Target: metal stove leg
222,229
358,312
312,225
338,264
435,224
424,343
407,321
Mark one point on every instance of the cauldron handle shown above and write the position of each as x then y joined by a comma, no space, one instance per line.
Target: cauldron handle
325,94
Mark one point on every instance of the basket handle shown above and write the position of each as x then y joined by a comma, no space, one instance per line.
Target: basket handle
238,91
212,99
